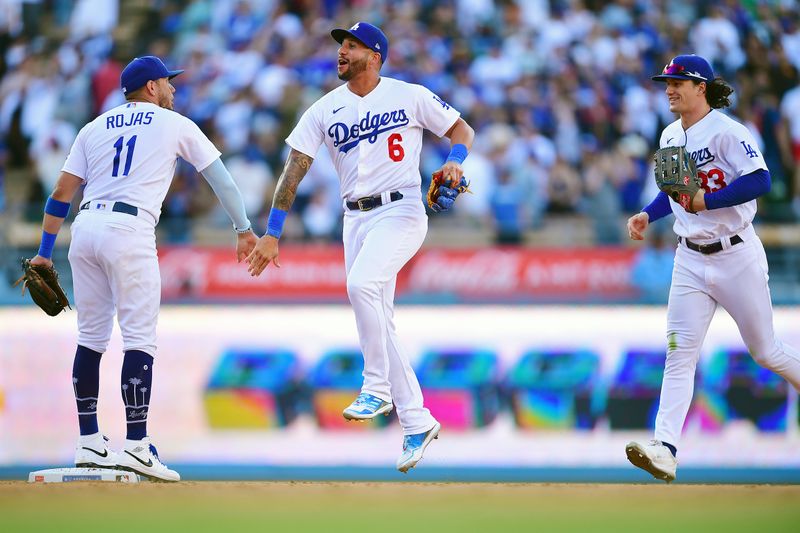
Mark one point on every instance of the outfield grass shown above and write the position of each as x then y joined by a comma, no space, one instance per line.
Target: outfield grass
396,507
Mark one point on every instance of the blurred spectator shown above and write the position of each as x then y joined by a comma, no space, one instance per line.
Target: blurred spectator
790,111
564,188
508,205
651,272
253,177
559,93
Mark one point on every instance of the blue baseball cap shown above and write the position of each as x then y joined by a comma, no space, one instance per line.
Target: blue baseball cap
370,36
143,69
687,67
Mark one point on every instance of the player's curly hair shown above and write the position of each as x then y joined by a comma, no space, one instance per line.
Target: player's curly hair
717,93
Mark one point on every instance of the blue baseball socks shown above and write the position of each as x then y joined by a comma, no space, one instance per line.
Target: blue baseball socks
85,385
137,378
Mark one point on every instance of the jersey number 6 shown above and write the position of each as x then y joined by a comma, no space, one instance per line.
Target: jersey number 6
396,152
131,144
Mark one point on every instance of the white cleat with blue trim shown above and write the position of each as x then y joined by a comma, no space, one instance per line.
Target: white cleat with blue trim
366,406
414,446
141,456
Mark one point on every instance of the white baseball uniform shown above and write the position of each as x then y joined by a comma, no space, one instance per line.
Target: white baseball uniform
375,143
126,158
735,277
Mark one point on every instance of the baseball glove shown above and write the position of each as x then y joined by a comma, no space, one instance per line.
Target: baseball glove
676,175
441,193
42,284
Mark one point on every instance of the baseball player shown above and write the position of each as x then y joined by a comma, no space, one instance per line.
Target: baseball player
372,127
126,159
720,259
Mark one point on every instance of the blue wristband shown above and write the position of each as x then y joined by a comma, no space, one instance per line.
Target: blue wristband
46,247
458,153
56,208
275,222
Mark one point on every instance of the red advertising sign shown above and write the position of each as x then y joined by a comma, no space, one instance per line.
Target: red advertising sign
316,273
512,273
311,273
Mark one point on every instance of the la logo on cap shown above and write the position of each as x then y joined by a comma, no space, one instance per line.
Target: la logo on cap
355,26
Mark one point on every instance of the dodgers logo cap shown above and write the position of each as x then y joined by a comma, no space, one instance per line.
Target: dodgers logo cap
143,69
370,36
687,67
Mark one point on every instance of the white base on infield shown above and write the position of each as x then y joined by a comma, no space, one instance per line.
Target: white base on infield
64,475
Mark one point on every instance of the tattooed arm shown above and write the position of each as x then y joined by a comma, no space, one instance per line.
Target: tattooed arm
266,250
297,165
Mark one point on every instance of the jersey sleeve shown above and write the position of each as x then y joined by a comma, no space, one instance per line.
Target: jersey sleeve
195,147
740,150
307,135
76,163
433,113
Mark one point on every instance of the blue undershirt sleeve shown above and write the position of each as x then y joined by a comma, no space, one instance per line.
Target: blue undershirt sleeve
741,190
659,207
228,193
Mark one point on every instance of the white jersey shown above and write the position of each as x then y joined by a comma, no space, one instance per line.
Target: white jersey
128,154
723,150
374,141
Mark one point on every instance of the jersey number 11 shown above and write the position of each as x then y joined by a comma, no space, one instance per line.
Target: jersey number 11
131,144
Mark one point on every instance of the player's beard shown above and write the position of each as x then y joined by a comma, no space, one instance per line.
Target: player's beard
165,101
165,98
353,69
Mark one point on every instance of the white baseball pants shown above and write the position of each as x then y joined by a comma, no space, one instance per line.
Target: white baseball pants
377,244
115,270
735,278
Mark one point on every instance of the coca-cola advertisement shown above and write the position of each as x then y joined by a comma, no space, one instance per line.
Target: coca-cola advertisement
316,274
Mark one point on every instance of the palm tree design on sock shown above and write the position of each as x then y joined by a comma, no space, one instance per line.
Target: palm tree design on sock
75,386
143,390
134,382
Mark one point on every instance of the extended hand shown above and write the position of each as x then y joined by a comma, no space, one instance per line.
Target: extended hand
264,253
637,224
245,242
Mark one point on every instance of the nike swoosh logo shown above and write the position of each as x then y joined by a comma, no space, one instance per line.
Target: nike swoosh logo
670,140
148,464
337,110
104,454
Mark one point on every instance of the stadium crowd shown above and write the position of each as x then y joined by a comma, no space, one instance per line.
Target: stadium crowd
558,91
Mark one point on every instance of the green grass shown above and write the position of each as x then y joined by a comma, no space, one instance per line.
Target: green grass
396,507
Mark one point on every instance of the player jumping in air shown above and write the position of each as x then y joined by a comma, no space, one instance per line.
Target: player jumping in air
720,259
372,127
126,159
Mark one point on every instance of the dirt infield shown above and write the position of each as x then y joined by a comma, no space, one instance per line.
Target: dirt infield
401,507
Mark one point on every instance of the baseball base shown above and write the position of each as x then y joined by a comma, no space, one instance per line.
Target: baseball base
64,475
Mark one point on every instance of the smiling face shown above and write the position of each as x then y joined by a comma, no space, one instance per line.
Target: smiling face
354,58
685,96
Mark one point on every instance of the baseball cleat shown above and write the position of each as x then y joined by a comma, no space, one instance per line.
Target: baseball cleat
142,457
92,452
414,446
654,458
366,407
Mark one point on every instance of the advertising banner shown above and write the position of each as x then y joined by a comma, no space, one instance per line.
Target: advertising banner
520,386
316,273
